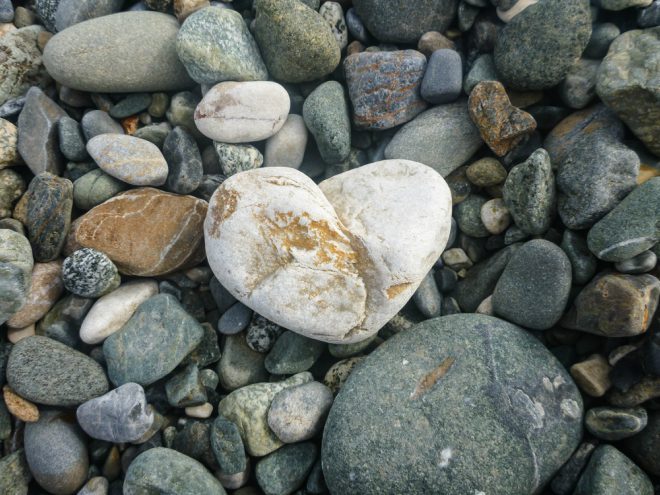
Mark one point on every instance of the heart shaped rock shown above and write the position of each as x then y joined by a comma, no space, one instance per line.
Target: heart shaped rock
335,261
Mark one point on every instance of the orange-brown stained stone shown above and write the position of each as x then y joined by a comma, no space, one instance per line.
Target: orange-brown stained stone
19,407
144,231
130,124
501,124
46,289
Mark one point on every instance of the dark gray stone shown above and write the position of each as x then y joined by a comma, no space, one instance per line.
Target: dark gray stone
468,216
185,388
529,193
227,446
70,12
161,470
404,21
650,16
37,133
293,353
325,112
94,188
643,447
631,228
642,263
609,472
534,287
56,452
131,105
63,320
578,88
239,364
427,297
610,423
262,334
194,440
569,474
152,343
45,10
356,27
483,69
120,416
89,273
471,389
235,319
184,161
443,79
583,262
443,137
6,11
593,179
154,133
97,122
285,470
222,297
602,36
537,47
72,143
208,351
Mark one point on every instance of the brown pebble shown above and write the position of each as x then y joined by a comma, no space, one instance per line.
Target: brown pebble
183,8
354,47
130,124
43,38
19,407
486,172
432,41
592,375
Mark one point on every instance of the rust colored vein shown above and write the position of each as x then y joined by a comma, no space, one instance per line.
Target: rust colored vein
432,377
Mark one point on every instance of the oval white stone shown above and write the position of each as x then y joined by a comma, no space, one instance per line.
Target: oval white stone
287,147
242,112
333,262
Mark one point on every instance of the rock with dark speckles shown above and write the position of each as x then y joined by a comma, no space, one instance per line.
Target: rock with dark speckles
14,474
609,472
184,161
89,273
448,376
286,469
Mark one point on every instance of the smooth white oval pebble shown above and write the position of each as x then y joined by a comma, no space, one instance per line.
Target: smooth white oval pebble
287,147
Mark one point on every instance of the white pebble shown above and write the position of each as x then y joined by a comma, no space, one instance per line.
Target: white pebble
495,216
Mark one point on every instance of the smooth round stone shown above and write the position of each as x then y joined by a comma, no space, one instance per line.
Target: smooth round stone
468,216
529,193
288,196
56,452
534,287
6,11
242,112
8,142
45,290
333,13
538,47
384,87
593,179
626,83
94,188
286,469
49,205
495,216
120,416
89,273
235,158
483,69
227,446
72,143
144,61
96,122
222,297
631,228
443,137
159,335
45,371
131,105
286,148
404,21
235,319
356,27
298,413
145,232
239,364
583,262
248,406
154,133
296,42
449,376
70,12
129,159
608,423
443,79
293,353
506,14
609,472
12,187
325,112
184,161
161,470
642,263
215,45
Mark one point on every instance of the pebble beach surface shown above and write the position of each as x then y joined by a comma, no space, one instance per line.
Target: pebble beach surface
307,247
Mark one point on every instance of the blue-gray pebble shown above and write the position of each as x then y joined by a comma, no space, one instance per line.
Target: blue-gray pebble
443,79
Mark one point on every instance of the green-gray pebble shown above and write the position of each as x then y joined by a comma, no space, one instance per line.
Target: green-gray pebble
14,474
326,116
235,158
611,423
227,446
15,272
468,216
285,470
185,388
583,262
293,353
131,105
239,364
609,472
94,188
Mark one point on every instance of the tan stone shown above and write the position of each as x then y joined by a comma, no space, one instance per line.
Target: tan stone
592,375
46,289
17,334
19,407
183,8
339,372
8,141
432,41
144,231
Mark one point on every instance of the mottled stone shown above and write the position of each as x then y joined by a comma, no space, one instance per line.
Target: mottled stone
227,446
56,452
468,216
578,89
293,353
501,125
45,290
631,228
538,47
215,45
49,206
89,273
615,305
14,474
70,12
248,407
161,470
443,137
384,87
8,143
240,365
120,416
529,193
404,21
486,172
61,323
235,158
449,376
609,472
94,188
152,343
534,287
37,133
334,16
627,83
21,66
184,161
185,389
286,469
145,231
326,115
296,42
608,423
145,61
12,187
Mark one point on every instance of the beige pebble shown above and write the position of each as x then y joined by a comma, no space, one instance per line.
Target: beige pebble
495,216
234,481
456,259
183,8
202,411
16,334
486,307
592,375
19,407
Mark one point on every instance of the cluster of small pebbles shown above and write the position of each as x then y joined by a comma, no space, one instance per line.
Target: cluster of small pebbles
356,247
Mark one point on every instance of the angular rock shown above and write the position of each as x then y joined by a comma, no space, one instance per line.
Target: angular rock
286,469
159,335
184,161
185,389
449,376
21,66
235,158
384,87
145,232
45,290
339,248
144,61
